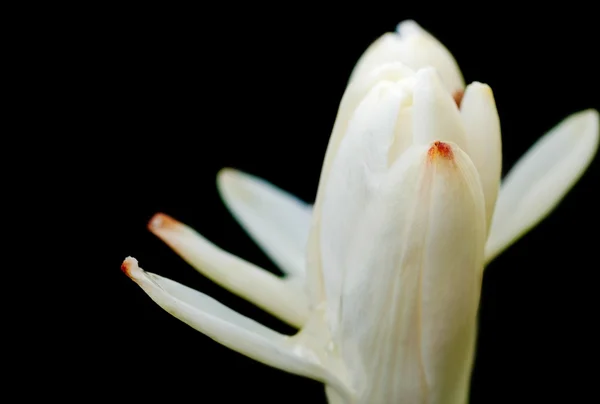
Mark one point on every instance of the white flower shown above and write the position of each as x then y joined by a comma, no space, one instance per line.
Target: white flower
528,193
383,275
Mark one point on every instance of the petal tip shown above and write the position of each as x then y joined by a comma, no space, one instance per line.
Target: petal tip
591,113
477,85
236,185
440,150
428,79
408,27
160,221
227,178
480,91
583,123
225,174
128,265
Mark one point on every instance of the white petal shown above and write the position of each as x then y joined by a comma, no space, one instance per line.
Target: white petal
362,158
415,48
412,277
354,94
541,178
231,329
436,116
267,291
276,220
482,129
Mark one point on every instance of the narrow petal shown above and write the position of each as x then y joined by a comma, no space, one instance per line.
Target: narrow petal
231,329
412,280
482,130
436,116
276,220
541,178
414,47
274,295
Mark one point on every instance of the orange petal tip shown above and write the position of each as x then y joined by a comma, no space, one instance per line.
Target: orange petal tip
441,149
127,265
161,221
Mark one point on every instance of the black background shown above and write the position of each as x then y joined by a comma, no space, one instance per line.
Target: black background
165,98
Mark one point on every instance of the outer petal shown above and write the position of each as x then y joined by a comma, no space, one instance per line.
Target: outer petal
541,178
414,47
482,130
275,219
274,295
412,280
232,329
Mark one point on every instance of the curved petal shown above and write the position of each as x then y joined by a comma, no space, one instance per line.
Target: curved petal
412,279
231,329
276,220
414,47
269,292
541,178
482,130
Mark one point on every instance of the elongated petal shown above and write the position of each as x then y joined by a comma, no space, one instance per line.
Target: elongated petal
414,47
267,291
275,219
412,280
229,328
354,94
541,178
363,157
482,130
436,116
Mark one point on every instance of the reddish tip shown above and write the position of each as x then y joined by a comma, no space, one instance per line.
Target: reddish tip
441,149
458,96
125,266
162,221
130,264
